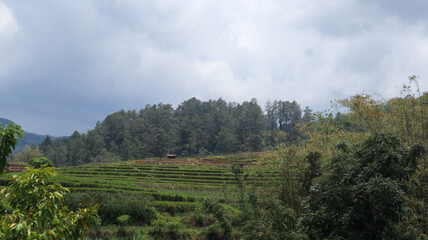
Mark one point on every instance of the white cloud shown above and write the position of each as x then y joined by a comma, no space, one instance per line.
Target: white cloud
8,25
9,31
125,54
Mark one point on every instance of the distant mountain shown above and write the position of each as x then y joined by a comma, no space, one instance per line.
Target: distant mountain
28,138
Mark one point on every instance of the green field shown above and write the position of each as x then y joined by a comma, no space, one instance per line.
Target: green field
175,188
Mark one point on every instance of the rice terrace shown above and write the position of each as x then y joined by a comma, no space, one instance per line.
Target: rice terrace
175,188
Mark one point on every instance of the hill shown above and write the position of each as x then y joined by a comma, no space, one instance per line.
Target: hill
28,138
194,128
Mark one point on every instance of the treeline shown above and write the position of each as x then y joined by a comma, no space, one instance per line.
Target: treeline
194,128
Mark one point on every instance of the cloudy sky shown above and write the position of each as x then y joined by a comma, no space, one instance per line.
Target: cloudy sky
64,65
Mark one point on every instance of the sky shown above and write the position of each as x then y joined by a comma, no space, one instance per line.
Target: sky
64,65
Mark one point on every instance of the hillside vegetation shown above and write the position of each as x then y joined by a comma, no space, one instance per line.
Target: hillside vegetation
194,128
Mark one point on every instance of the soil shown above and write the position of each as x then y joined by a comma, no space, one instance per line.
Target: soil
12,168
211,162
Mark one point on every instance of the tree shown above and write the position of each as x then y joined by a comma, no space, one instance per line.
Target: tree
250,125
8,140
39,162
225,141
76,149
362,194
38,211
46,145
28,153
307,115
406,116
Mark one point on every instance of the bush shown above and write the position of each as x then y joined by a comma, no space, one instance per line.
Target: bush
137,208
38,211
123,220
215,232
114,205
126,233
170,230
198,220
101,234
175,207
362,195
213,207
4,206
38,162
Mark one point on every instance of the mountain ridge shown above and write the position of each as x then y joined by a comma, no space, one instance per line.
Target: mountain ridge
28,137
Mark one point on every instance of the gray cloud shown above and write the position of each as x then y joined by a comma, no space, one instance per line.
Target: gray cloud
65,65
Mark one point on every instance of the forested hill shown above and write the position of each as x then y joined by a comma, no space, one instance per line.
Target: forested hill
28,138
193,128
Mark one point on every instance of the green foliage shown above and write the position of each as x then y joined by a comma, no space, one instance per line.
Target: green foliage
114,205
28,153
39,162
264,215
198,220
124,233
194,128
9,135
123,220
406,116
212,206
270,219
293,174
215,232
238,173
362,193
4,207
38,211
170,230
176,207
138,208
325,131
312,170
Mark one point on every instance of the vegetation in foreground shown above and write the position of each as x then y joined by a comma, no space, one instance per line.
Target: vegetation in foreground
33,209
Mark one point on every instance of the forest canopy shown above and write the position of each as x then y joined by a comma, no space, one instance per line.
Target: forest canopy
194,128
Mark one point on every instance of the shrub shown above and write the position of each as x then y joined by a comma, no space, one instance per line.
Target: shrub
212,206
113,205
140,211
175,207
193,220
38,162
362,194
215,232
101,234
170,230
126,233
123,220
38,211
8,139
198,220
209,220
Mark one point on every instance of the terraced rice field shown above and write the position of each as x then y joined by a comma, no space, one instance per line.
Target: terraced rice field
169,181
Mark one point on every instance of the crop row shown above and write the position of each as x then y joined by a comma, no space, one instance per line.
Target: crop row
161,175
172,196
128,168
